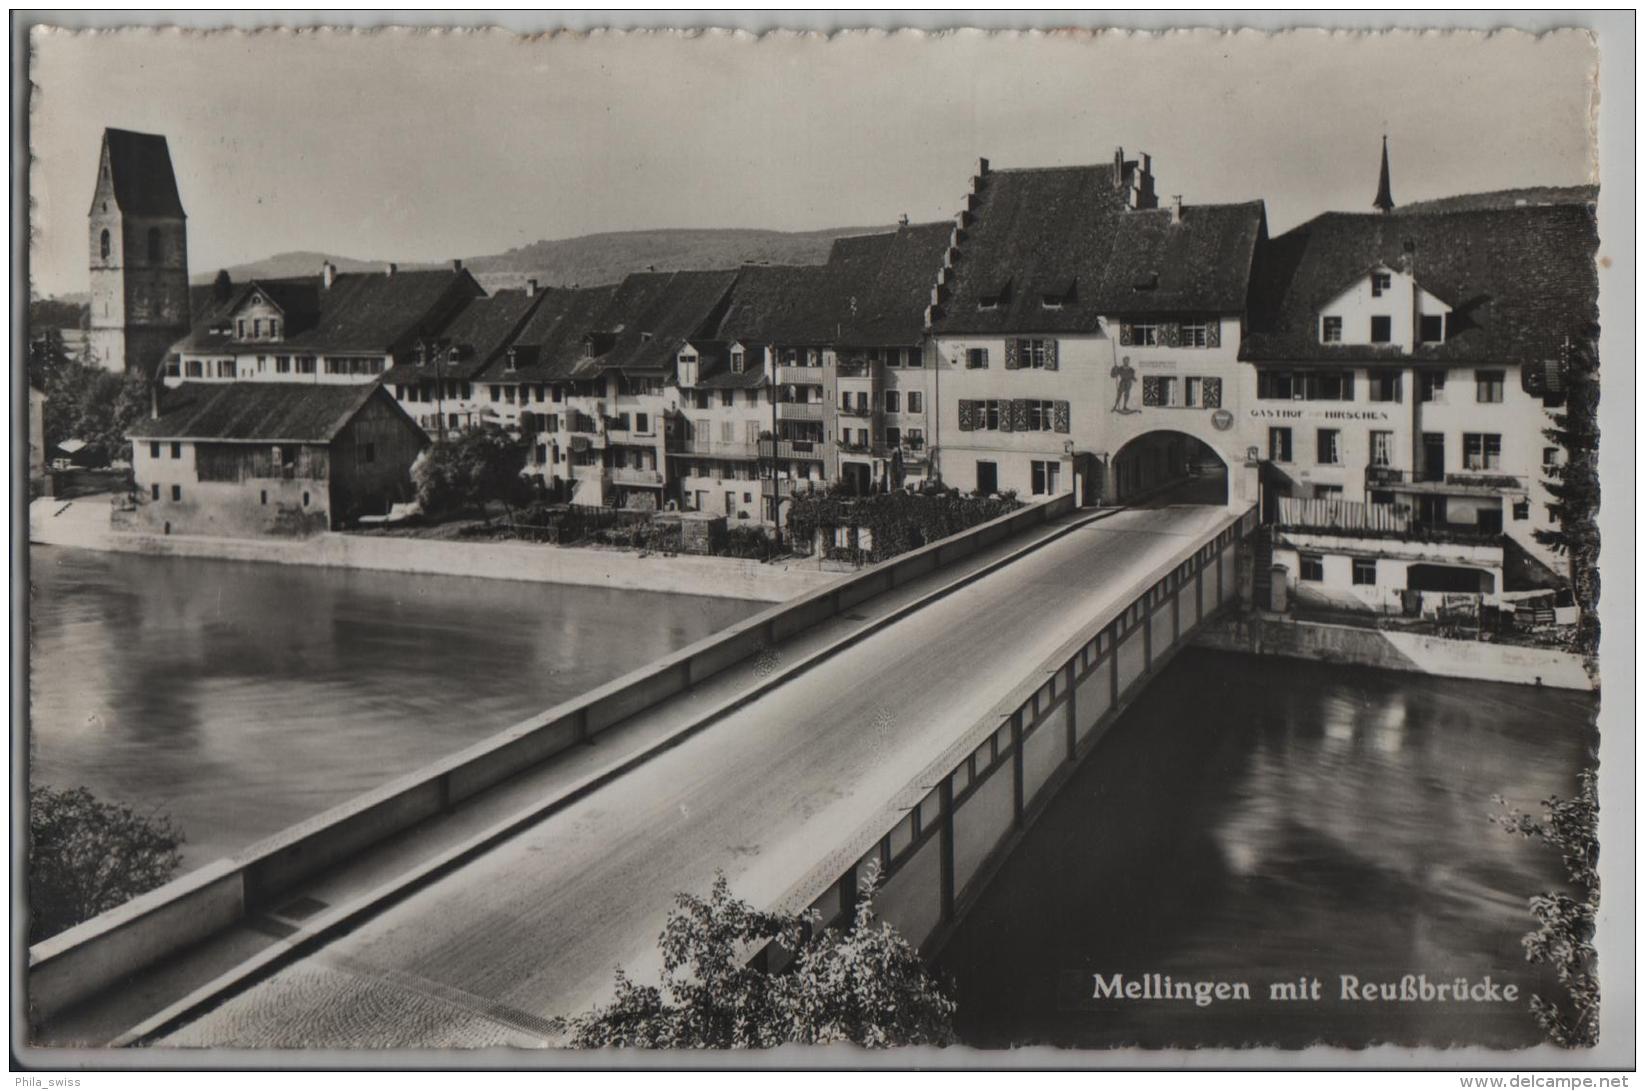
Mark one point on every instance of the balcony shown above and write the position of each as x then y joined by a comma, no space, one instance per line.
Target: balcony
799,376
624,475
800,411
1349,518
856,411
713,448
1379,477
849,448
783,487
854,369
808,449
1467,483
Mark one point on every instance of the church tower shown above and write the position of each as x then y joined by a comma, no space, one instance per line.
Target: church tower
139,254
1385,192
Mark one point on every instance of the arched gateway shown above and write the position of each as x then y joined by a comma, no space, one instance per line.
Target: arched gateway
1206,472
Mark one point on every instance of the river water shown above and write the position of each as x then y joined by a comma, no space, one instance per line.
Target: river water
1264,821
241,698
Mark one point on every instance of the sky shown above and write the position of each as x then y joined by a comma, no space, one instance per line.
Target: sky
420,146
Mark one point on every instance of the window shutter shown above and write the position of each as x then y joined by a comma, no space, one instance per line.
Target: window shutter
1125,333
1060,414
1171,334
1153,390
1011,361
1213,334
1212,393
1347,386
968,415
1051,355
1019,414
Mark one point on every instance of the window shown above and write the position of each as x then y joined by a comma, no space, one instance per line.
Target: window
1312,567
1043,477
728,398
1385,386
1431,329
728,431
154,449
177,492
154,491
1382,448
1327,449
916,401
991,415
1274,384
1279,444
1488,386
893,357
1146,333
751,397
305,365
1365,572
752,430
916,439
154,246
1481,451
1330,329
256,328
1041,415
642,421
225,369
1432,386
274,329
893,437
496,392
738,361
1382,329
194,369
1381,282
240,328
1031,352
105,244
1522,510
263,498
1193,392
282,365
893,401
976,358
305,500
1550,457
1195,335
1328,492
176,450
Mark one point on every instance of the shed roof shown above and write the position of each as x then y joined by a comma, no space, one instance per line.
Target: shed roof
252,412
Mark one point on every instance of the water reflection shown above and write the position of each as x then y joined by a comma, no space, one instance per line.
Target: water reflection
1262,820
244,697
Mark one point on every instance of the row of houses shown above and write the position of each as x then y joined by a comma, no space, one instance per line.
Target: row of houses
1065,331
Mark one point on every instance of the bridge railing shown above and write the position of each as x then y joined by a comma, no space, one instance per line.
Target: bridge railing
109,948
947,832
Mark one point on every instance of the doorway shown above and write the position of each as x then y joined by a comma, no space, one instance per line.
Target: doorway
988,478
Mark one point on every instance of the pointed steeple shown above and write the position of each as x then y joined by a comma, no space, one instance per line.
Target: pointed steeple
1385,195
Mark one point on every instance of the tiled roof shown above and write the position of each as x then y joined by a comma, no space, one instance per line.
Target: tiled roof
782,304
1032,230
140,168
360,312
1519,280
886,282
551,343
480,332
652,314
1202,263
257,412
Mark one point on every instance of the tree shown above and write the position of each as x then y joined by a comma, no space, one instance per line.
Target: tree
1574,485
864,985
470,469
1565,933
86,856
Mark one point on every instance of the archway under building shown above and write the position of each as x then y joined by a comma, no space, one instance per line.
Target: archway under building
1168,467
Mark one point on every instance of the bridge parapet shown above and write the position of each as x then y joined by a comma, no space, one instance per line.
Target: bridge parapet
940,839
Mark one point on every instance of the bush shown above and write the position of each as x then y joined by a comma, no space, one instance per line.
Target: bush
86,857
900,521
750,542
864,984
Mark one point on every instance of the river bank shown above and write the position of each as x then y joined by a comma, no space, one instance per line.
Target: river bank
1385,649
84,524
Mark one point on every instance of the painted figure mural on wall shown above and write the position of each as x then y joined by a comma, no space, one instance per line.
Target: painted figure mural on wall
1125,377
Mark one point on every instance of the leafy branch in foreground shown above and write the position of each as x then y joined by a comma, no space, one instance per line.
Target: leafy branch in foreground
864,984
1564,938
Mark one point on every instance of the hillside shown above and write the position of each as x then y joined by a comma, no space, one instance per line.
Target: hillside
1505,198
588,259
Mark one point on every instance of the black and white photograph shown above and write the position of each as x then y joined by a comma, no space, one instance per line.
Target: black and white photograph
899,547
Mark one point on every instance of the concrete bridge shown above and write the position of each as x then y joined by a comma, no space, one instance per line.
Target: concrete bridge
917,713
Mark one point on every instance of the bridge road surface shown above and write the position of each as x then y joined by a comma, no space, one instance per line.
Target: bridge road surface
535,926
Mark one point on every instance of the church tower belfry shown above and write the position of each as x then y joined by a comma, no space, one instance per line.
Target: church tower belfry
139,254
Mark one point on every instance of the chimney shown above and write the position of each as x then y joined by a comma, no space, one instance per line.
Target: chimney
531,288
982,168
456,265
392,269
328,274
1176,208
1119,167
902,221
